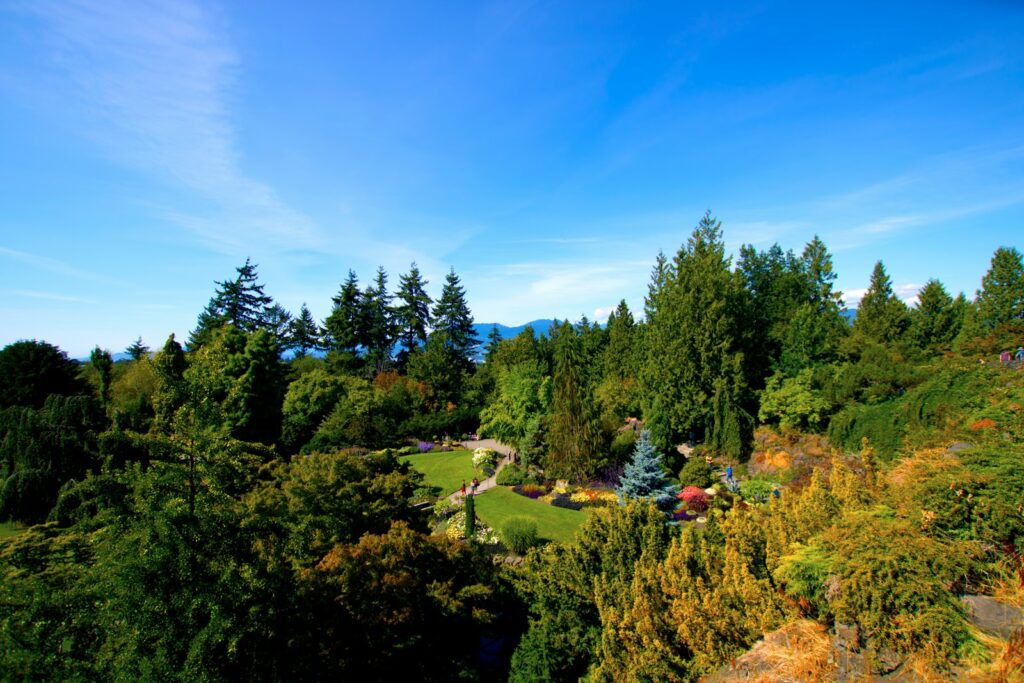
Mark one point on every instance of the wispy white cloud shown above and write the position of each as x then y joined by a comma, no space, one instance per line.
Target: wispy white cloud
155,81
53,265
47,296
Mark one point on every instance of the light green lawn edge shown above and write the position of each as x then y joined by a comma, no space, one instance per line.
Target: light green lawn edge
446,471
496,506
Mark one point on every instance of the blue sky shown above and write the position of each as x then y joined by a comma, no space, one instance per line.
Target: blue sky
546,151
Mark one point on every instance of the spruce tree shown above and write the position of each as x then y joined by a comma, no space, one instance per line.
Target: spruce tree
451,314
412,313
138,350
619,357
881,317
377,324
493,341
344,326
934,321
1001,297
305,334
644,478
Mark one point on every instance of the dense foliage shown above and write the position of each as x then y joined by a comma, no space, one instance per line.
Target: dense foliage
235,510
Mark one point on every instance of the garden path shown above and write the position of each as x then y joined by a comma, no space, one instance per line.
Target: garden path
491,481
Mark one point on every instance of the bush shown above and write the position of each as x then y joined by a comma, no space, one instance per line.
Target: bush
563,500
756,490
696,472
485,457
519,534
512,475
694,498
532,491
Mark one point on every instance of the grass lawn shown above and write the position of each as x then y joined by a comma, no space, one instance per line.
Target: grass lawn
8,529
497,505
445,471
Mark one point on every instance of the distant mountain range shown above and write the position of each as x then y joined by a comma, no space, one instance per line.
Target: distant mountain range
507,332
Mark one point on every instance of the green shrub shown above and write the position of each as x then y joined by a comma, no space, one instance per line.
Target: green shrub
756,490
519,534
512,475
696,472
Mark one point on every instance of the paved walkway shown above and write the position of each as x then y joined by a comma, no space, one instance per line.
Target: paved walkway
491,481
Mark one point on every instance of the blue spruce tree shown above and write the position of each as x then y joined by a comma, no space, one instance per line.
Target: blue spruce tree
644,478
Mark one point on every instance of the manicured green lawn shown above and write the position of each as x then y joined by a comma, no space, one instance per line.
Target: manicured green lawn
497,505
445,471
8,529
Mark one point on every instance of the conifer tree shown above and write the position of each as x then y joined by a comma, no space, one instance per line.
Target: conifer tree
138,350
934,321
694,333
169,365
1001,297
493,340
644,478
377,326
104,365
574,435
412,313
451,314
240,302
344,325
881,317
305,334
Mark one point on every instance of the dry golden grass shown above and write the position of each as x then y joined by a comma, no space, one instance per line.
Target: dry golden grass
921,465
796,653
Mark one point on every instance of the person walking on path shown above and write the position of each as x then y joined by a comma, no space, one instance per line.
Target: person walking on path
463,489
1020,353
475,483
1004,357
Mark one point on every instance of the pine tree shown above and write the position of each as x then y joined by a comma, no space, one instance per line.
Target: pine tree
377,324
305,334
644,477
881,317
470,509
344,325
1001,297
452,315
138,350
412,313
493,340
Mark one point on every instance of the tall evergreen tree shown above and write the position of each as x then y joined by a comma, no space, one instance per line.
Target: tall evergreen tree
816,327
934,320
138,350
620,354
240,302
278,322
574,434
644,479
344,326
881,317
493,340
377,324
412,313
169,366
693,335
451,314
305,334
1001,297
104,366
